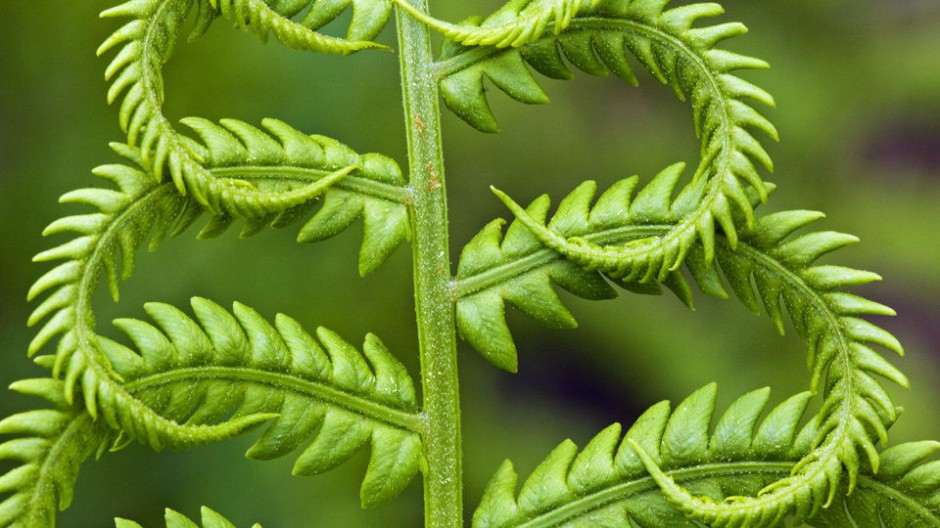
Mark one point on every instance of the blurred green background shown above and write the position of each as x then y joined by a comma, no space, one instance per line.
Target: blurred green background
857,84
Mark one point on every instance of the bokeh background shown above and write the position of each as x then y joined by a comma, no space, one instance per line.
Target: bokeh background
857,84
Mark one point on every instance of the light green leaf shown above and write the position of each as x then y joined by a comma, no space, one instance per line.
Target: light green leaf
599,487
146,43
337,399
768,266
47,450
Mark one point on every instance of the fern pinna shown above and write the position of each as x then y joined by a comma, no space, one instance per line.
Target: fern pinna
192,377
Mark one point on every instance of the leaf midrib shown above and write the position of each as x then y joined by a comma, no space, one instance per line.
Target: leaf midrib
619,492
330,395
542,256
358,184
622,491
80,427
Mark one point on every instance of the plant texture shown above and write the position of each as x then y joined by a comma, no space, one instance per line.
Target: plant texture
189,376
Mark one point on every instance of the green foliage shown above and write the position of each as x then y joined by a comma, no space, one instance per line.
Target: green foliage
368,18
146,44
680,55
50,445
296,167
226,367
765,268
606,484
184,380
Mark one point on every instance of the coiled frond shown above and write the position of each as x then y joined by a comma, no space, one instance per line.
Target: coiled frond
263,18
184,379
139,211
210,519
520,266
146,44
50,445
766,268
606,484
517,23
286,163
856,408
678,53
323,391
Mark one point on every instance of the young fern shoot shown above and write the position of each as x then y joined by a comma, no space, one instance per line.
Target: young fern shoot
184,379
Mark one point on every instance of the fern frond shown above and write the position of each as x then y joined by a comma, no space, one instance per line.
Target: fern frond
765,268
682,56
138,210
259,18
283,161
141,210
769,268
324,391
50,445
518,22
519,268
606,484
210,519
146,44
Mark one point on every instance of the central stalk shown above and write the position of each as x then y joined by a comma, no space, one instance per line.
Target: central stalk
443,480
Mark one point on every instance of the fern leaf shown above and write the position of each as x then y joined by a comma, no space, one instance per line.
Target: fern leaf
904,497
606,484
518,267
678,54
767,267
146,43
517,23
174,519
138,210
323,390
49,447
260,18
282,160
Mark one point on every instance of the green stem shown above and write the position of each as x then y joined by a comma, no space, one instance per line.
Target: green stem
443,480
